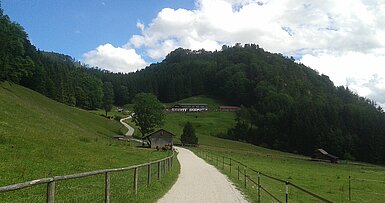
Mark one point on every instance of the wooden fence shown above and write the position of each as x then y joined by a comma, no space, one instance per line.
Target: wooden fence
248,175
162,167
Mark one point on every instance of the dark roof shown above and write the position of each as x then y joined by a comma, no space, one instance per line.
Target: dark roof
149,135
322,151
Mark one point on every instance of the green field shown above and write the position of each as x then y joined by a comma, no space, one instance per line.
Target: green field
328,180
43,138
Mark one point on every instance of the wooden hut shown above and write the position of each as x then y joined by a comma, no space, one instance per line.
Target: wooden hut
229,108
160,139
322,155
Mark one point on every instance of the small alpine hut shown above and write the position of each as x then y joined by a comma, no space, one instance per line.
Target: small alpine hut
229,108
322,155
160,139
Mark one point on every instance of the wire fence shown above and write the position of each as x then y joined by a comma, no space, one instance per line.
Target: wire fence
269,188
109,185
366,190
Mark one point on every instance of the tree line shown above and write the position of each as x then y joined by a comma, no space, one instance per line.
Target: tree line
285,105
54,75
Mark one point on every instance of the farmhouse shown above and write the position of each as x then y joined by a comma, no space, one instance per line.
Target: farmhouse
189,108
229,108
161,139
322,155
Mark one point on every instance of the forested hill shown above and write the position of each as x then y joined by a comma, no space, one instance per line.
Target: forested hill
287,105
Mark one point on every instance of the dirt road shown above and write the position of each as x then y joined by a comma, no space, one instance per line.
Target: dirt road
130,131
200,182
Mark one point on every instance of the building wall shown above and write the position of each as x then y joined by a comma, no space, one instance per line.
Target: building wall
159,140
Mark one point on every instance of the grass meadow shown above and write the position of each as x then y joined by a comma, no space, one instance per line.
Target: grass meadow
42,138
325,179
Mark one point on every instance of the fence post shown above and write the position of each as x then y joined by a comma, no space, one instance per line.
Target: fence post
217,162
148,174
259,187
168,164
245,170
238,171
51,192
287,191
107,187
223,162
164,167
350,197
136,180
230,165
158,170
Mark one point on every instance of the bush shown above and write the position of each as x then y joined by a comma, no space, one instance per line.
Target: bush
188,137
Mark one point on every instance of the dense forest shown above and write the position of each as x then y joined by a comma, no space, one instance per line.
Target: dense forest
285,105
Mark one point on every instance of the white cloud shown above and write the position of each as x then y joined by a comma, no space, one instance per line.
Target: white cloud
277,25
115,59
363,73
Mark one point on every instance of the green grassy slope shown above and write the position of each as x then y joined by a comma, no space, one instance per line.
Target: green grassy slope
42,138
328,180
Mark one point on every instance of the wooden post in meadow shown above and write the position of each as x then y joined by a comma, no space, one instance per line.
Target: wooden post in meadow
149,174
245,174
259,188
107,187
51,192
230,165
136,180
158,170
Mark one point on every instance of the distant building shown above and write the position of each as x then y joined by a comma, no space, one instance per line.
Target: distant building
322,155
189,108
161,139
229,108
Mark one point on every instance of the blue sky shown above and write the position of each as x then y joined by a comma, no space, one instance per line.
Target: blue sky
75,27
341,39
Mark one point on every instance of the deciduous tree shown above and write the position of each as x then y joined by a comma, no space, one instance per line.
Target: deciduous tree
148,112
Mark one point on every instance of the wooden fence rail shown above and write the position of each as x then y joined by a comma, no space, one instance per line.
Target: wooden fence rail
162,169
242,170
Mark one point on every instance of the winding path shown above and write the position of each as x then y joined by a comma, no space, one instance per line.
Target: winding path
130,131
200,182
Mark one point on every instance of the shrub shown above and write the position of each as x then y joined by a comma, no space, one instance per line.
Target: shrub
189,136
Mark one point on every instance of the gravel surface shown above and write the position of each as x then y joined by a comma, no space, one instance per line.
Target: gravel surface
200,182
130,131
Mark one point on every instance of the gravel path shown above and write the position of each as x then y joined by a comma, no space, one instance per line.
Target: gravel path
200,182
130,131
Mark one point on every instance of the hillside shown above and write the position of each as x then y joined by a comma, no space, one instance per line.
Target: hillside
328,180
287,106
41,138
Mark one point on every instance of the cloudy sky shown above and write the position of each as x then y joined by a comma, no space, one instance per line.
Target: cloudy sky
342,39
